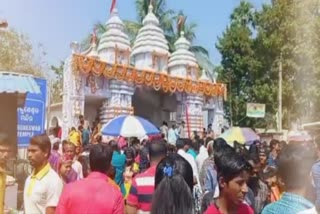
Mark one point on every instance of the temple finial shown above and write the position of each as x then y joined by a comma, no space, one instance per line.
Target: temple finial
151,6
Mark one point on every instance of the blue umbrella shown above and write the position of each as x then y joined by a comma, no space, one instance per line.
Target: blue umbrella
129,126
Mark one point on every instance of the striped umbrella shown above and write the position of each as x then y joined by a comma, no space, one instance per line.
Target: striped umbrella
129,126
241,135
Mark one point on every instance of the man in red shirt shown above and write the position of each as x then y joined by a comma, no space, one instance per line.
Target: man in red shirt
141,191
233,173
94,194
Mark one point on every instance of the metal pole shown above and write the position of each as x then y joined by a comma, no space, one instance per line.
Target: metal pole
280,95
230,103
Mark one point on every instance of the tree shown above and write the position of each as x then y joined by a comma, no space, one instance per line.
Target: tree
240,66
292,28
57,86
251,48
16,54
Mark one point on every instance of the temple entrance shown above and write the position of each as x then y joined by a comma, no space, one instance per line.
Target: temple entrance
155,106
92,108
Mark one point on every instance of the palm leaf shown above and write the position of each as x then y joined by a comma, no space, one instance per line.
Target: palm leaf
199,49
132,29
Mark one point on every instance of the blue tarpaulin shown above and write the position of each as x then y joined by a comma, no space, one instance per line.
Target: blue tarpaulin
18,83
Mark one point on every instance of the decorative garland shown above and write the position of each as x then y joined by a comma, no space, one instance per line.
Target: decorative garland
157,80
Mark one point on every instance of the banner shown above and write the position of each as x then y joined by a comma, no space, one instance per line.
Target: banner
256,110
31,118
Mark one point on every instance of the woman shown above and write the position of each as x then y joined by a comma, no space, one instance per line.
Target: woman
173,187
64,168
130,170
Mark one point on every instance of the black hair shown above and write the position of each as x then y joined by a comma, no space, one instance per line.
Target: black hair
218,143
43,142
196,145
4,140
100,158
56,146
207,199
165,123
253,182
269,172
273,143
157,150
134,141
180,143
230,164
208,139
173,187
295,162
114,145
130,154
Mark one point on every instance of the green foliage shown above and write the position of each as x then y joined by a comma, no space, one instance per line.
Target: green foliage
57,85
251,47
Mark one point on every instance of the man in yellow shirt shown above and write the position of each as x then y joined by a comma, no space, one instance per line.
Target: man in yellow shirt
4,154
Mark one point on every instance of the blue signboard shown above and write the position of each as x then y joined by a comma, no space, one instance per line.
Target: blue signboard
31,118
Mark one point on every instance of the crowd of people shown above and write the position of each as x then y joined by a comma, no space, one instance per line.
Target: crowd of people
188,175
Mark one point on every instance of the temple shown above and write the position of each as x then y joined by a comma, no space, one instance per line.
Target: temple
113,78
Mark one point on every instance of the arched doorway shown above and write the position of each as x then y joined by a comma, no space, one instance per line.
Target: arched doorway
155,106
54,122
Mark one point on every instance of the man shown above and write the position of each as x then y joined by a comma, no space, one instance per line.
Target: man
164,130
85,135
183,147
4,155
172,135
202,156
69,149
259,188
181,130
263,160
208,173
295,162
233,173
43,187
140,196
274,152
95,193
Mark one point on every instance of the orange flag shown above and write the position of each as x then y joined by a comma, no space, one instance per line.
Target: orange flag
113,5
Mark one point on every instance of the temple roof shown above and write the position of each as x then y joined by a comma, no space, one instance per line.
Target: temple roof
150,37
114,35
182,55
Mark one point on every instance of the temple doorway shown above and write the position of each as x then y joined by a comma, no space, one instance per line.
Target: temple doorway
155,106
92,108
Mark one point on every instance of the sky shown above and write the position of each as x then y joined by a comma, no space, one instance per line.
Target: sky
56,23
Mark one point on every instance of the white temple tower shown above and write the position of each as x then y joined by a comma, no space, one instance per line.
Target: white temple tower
183,64
114,48
150,49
